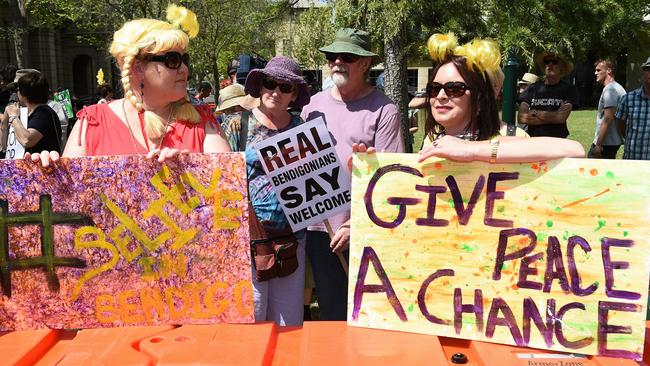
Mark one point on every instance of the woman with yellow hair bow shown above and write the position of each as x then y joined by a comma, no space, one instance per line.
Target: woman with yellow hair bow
462,121
155,117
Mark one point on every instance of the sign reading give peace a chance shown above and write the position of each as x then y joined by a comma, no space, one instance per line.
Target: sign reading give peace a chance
550,255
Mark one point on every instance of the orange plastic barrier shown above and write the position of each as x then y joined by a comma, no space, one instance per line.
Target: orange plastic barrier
316,343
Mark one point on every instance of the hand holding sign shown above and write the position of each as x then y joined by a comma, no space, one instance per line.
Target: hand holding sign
359,148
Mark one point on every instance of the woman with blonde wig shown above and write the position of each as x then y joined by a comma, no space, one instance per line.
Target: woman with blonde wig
462,121
155,117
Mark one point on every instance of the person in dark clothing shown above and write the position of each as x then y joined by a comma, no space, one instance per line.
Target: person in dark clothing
43,132
7,75
545,106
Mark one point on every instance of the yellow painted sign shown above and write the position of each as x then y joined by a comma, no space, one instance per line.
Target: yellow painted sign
549,255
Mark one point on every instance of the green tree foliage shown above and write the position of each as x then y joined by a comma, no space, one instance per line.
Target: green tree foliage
312,30
231,27
522,28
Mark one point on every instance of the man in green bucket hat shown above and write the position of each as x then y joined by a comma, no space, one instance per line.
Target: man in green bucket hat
354,112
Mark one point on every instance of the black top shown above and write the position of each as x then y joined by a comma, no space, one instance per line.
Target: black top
542,97
44,120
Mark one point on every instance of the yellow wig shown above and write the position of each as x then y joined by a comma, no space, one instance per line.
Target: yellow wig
141,37
481,55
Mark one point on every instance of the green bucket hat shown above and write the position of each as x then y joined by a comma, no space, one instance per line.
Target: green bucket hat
348,40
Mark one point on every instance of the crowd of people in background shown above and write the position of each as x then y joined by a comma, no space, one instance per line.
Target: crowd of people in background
158,117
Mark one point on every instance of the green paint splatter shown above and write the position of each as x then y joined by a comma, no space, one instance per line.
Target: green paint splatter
609,175
558,209
618,224
565,236
410,277
601,224
451,203
542,236
411,307
549,223
469,248
625,233
503,266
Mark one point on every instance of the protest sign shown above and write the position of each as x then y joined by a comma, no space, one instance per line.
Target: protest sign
306,173
550,255
114,241
63,97
14,149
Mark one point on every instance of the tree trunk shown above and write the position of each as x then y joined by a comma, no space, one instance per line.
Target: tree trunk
396,87
215,77
20,47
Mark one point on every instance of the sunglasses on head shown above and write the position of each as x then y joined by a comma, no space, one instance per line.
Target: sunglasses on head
551,61
453,89
271,84
172,59
348,58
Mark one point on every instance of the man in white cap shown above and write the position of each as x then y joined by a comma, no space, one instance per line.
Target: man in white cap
355,112
607,140
545,106
525,82
633,118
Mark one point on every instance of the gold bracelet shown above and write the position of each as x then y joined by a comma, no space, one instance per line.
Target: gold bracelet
494,148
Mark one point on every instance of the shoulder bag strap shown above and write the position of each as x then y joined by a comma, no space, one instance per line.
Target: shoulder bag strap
243,130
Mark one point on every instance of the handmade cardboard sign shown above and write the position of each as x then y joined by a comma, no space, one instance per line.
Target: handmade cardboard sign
14,149
117,241
306,173
63,97
551,255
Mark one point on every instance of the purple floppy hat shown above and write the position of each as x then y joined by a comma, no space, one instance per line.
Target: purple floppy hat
282,69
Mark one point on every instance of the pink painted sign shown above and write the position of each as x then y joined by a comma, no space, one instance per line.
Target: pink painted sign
119,241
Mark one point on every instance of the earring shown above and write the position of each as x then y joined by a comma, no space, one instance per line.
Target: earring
141,89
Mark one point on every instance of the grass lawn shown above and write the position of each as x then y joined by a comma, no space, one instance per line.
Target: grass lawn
581,125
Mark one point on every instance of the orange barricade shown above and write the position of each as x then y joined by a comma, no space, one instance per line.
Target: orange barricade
316,343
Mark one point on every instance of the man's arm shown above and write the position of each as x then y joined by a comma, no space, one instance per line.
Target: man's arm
27,137
551,117
524,113
4,130
388,136
608,119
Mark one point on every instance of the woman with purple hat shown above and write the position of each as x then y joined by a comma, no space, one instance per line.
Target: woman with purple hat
277,297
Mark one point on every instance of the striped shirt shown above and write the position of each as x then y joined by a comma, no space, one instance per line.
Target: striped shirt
634,109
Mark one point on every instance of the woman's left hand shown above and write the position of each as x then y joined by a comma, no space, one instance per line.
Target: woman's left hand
452,148
166,153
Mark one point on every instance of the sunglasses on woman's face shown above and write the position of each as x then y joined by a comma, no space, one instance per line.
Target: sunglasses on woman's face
453,89
172,59
348,58
272,84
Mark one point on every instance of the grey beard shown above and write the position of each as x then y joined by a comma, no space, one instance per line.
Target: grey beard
339,79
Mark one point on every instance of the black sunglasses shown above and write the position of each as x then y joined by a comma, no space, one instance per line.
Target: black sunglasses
172,59
550,61
348,58
272,84
453,89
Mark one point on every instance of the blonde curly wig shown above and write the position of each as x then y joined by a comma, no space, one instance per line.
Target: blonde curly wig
141,37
